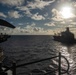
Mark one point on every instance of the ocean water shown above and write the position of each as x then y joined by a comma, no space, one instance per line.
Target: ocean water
28,48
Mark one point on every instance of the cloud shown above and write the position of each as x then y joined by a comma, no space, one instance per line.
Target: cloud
63,22
74,4
35,4
36,30
5,30
1,29
46,14
23,8
29,30
40,4
20,24
49,24
14,14
28,13
20,31
37,17
33,29
2,15
73,23
12,2
32,16
56,15
25,30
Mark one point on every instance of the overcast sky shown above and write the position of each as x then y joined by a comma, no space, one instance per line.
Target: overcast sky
36,16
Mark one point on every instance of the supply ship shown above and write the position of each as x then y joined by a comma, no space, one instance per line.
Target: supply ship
65,37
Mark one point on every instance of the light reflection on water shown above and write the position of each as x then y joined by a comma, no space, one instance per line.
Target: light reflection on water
70,53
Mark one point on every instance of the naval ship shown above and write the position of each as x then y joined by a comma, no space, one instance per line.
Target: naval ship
65,37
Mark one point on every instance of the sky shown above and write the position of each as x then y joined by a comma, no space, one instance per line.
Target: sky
37,17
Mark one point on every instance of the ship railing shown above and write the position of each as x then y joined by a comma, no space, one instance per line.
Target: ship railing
14,66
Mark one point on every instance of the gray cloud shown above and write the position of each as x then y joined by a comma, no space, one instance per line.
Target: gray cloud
12,2
20,24
56,15
2,15
37,17
14,14
39,4
29,29
28,13
46,14
50,24
36,4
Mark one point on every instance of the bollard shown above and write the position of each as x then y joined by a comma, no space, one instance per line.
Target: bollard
1,71
14,68
59,63
1,68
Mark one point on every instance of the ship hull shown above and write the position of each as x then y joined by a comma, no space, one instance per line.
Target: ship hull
4,38
64,40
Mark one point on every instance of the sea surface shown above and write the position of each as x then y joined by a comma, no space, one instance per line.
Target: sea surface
29,48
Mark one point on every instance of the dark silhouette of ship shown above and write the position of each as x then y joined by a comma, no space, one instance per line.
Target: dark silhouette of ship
65,37
4,37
